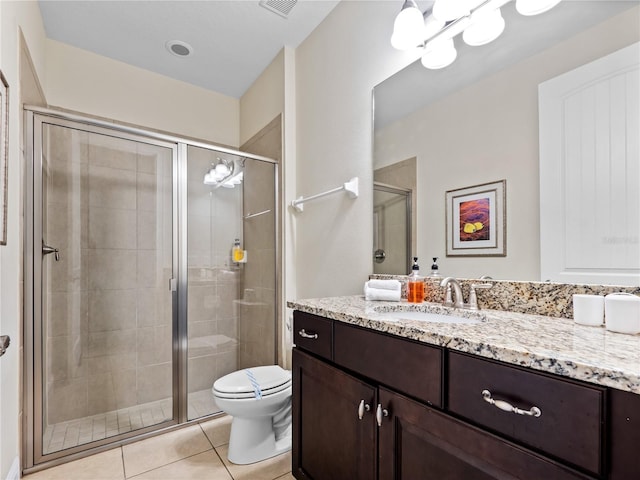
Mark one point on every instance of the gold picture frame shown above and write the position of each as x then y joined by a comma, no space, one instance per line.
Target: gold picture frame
476,220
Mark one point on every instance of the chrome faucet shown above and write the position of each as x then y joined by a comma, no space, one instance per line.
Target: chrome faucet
457,293
457,290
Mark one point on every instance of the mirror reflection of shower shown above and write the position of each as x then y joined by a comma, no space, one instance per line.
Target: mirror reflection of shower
225,173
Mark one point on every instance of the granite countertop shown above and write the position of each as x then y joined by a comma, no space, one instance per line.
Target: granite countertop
554,345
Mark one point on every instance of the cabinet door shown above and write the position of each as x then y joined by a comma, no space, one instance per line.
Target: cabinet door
625,435
330,441
570,420
419,442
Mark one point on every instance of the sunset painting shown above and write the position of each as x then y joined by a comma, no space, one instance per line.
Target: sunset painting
475,220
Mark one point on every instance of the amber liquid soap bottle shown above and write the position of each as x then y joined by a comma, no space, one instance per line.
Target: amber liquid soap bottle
415,285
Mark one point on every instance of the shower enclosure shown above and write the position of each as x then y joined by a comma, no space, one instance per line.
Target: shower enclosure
392,212
133,303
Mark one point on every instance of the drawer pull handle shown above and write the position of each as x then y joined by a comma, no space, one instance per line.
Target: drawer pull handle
304,334
507,407
363,407
381,412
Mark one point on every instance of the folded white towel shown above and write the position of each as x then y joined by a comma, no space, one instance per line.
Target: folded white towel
381,294
385,284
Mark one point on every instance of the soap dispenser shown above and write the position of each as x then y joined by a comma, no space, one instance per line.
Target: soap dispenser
415,284
434,268
237,254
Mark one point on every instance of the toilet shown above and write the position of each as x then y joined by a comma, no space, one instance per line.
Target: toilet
259,400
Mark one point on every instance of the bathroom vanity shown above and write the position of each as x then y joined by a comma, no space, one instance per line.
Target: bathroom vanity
513,396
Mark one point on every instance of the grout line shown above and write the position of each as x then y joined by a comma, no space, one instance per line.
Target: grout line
223,462
206,436
124,468
166,464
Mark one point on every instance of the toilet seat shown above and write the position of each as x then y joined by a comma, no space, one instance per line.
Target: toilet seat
253,382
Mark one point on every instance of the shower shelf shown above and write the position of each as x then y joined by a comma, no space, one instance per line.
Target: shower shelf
351,187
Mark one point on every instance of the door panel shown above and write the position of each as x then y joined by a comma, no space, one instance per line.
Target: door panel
106,316
330,441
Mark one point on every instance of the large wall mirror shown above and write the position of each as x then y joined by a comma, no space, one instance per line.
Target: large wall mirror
477,122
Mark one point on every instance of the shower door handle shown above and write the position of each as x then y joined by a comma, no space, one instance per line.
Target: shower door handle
46,250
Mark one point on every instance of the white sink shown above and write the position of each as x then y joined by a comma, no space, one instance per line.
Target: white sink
427,317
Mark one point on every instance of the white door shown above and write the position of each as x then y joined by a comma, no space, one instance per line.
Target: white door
590,172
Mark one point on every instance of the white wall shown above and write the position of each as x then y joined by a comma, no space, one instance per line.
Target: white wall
85,82
13,17
337,67
487,132
264,100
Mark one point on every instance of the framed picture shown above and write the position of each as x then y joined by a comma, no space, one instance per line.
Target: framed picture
4,152
476,220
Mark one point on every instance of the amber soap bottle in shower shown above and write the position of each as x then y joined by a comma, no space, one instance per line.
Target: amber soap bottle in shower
237,254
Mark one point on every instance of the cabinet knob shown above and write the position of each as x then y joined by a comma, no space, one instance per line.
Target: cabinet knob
381,412
507,407
363,407
304,334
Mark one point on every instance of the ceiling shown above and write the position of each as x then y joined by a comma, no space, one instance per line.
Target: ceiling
232,41
415,86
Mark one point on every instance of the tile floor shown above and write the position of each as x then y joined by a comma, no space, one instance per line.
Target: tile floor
72,433
197,452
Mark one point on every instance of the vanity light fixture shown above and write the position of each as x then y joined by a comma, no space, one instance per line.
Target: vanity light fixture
479,21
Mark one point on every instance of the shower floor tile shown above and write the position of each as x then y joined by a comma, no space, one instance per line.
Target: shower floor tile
72,433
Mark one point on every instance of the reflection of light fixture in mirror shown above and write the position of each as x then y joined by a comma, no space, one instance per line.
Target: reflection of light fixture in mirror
479,21
486,26
448,10
534,7
439,53
407,28
223,174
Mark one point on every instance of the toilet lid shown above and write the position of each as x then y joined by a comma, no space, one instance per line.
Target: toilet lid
253,382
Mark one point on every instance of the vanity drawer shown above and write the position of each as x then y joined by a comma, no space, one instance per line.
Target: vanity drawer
410,367
313,333
570,424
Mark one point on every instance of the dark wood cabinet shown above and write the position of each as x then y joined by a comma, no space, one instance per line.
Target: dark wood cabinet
625,435
568,424
404,365
330,441
420,442
369,405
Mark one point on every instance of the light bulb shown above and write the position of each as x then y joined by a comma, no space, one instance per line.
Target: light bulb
535,7
208,179
222,169
485,27
408,27
449,10
432,26
439,53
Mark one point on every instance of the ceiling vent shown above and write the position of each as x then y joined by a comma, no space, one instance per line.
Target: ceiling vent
280,7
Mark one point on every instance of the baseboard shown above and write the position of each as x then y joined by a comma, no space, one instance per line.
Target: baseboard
14,471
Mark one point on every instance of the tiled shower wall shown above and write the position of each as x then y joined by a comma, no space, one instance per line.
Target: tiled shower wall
107,312
259,330
214,219
257,326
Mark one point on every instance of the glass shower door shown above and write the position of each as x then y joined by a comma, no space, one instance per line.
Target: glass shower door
106,367
391,230
231,318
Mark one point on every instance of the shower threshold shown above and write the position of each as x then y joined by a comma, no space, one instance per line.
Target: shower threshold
80,431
